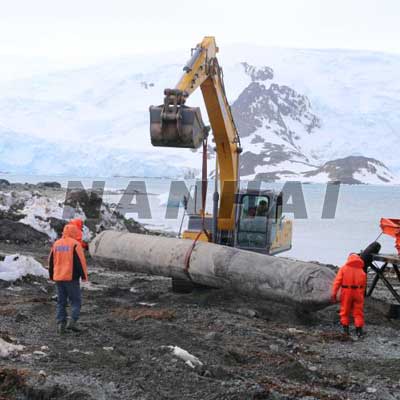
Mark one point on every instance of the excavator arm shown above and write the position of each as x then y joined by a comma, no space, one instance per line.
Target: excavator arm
173,124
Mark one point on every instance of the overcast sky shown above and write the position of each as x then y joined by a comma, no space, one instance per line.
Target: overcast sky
47,34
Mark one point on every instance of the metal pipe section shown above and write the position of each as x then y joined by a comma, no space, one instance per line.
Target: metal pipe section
301,284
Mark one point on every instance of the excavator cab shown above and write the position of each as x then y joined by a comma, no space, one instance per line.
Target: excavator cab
173,124
260,225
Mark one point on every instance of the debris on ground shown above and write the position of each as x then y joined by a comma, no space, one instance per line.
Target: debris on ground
134,344
9,349
191,360
139,313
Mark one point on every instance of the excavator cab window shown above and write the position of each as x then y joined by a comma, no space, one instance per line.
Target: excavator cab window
253,221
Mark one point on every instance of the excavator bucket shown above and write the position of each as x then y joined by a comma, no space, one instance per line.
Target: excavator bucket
176,125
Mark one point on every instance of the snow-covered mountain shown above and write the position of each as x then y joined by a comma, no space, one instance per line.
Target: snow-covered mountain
277,125
313,115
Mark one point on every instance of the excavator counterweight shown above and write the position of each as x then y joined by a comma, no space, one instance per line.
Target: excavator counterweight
173,124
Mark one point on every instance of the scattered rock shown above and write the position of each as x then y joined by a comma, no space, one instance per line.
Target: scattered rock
247,312
39,353
274,347
20,317
295,331
213,336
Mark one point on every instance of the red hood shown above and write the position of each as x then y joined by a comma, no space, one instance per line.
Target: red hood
70,231
77,222
355,261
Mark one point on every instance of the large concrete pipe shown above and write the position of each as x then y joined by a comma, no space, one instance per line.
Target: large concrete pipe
267,277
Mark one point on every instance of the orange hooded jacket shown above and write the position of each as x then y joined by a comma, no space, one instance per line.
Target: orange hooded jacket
79,225
67,260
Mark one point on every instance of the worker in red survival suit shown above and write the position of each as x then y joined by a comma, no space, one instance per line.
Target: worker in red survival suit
351,279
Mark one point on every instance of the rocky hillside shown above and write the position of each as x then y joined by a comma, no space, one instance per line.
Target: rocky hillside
276,123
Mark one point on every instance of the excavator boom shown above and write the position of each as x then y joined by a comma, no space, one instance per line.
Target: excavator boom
173,124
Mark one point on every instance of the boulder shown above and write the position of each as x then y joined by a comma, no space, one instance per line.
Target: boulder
90,202
17,232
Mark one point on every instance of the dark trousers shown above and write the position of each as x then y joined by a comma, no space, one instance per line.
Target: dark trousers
68,291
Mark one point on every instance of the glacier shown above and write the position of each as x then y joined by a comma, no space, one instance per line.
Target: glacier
93,121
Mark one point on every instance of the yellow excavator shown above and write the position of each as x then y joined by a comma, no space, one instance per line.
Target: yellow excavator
248,219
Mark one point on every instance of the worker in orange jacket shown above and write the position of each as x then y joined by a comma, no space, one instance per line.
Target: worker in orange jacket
67,265
351,280
79,224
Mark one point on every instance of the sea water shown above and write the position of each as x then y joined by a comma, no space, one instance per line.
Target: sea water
355,225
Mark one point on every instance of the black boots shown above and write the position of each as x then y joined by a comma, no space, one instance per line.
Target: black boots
73,326
61,327
346,331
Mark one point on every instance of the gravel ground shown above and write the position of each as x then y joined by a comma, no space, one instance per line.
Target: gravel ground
247,349
243,348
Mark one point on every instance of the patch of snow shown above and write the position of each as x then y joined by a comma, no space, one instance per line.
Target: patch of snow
295,331
39,353
366,176
38,209
13,288
322,177
16,266
7,349
191,360
87,353
92,287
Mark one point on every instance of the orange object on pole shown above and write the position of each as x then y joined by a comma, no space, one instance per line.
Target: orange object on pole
391,227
